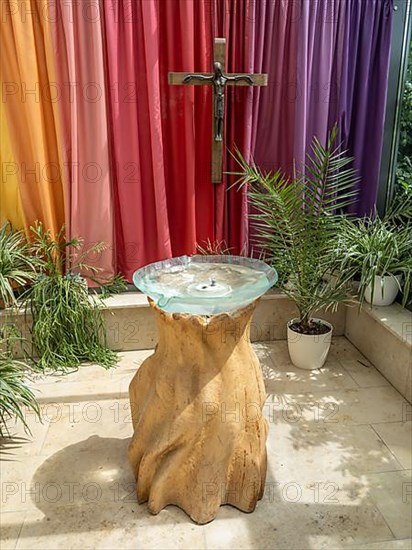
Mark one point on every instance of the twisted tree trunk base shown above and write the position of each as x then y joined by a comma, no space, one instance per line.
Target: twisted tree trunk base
199,435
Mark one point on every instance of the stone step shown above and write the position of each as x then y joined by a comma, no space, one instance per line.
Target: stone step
383,334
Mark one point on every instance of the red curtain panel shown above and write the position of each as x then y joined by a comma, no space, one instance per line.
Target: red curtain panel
160,134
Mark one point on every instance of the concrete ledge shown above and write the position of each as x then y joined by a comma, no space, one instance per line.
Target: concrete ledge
384,336
130,323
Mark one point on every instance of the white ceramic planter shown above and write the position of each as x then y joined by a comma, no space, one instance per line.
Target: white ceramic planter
385,291
307,351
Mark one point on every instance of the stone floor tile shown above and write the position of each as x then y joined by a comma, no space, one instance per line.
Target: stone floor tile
128,363
276,354
364,374
341,348
334,481
349,406
327,452
273,355
115,387
331,376
11,525
22,442
16,489
107,526
90,381
403,544
76,422
392,492
89,471
285,524
398,437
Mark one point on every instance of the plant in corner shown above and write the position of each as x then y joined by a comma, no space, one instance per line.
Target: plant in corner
17,269
298,222
380,250
67,323
15,394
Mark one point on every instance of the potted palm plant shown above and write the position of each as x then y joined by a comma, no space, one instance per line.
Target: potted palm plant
380,250
298,221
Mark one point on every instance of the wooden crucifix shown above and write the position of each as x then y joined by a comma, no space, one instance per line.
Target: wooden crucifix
219,79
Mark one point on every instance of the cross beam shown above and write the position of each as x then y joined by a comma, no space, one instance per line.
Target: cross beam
219,80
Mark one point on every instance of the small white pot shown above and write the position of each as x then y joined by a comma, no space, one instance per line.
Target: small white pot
307,351
385,291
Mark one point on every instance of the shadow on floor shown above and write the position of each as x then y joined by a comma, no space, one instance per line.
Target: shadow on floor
86,495
86,491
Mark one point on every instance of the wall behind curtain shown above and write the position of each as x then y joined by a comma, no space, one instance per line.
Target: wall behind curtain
120,156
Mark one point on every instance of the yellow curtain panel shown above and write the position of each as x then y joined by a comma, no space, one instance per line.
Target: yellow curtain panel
32,169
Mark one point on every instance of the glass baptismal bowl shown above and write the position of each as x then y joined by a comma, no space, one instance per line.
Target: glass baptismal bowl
205,285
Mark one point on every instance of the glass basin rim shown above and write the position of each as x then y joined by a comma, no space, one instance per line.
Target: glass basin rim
184,261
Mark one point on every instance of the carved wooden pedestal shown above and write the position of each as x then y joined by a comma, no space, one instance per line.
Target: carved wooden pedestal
199,434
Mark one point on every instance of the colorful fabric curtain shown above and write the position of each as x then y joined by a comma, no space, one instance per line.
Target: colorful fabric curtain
12,210
342,75
321,29
27,76
231,211
362,101
93,135
275,37
160,133
81,80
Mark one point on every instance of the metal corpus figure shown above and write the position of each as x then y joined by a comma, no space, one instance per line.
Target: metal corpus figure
219,80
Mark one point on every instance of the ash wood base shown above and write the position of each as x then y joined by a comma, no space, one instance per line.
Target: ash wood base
199,434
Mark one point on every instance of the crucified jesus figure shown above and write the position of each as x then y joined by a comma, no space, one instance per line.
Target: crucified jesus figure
219,80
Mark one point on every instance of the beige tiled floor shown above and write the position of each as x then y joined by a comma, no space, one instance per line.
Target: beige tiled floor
339,465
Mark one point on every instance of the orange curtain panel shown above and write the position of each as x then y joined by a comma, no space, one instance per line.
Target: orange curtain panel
33,171
10,204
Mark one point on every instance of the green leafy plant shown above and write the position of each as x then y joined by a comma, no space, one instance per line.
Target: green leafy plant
298,223
67,322
17,266
17,269
379,246
404,167
15,395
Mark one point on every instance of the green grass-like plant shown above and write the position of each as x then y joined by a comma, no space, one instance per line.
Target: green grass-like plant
67,324
17,266
17,269
298,221
15,395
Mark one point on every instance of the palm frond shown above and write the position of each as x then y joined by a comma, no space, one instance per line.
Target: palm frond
298,221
